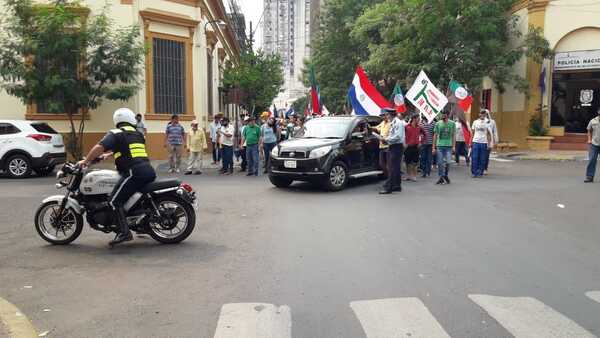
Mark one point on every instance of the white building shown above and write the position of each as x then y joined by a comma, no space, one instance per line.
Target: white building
287,32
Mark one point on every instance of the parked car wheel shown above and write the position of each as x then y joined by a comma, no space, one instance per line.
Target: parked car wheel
45,171
337,177
280,182
18,166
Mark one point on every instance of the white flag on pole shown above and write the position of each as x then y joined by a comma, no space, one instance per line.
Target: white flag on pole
426,97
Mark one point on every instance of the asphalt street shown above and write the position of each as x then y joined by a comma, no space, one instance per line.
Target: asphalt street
516,253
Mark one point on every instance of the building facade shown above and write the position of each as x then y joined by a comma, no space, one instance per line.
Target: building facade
288,26
190,42
571,78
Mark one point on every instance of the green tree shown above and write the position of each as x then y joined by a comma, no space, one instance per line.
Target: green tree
62,60
335,54
259,76
465,40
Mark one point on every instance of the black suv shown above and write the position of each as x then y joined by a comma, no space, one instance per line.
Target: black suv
331,151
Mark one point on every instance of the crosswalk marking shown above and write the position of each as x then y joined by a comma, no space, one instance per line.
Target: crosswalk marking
528,317
254,320
595,295
397,317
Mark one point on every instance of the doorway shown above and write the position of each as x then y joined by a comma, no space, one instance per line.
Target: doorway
575,100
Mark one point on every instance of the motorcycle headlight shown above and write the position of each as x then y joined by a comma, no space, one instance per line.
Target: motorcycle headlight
319,152
275,151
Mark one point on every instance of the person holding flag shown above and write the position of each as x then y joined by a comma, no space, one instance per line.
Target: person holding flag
463,140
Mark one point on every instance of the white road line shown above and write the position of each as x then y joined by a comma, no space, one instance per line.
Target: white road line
528,317
254,320
397,317
595,295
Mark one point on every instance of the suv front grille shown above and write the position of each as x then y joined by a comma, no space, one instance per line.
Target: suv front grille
293,154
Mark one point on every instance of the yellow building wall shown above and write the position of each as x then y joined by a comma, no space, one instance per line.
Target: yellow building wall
100,120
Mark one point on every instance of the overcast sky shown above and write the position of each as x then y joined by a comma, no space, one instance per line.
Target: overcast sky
252,10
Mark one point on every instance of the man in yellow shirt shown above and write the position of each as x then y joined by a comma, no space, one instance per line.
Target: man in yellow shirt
197,144
383,129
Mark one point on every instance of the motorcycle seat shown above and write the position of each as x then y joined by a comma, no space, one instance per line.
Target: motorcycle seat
159,185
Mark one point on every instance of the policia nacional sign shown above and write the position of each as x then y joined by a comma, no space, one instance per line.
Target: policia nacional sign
579,60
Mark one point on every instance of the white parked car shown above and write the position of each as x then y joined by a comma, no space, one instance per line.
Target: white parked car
27,146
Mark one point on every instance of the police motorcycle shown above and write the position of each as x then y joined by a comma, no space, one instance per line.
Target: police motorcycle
163,209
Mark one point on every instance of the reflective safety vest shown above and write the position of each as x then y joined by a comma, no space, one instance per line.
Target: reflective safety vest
130,149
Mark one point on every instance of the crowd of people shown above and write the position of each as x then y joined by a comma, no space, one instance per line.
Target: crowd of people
425,144
422,144
247,141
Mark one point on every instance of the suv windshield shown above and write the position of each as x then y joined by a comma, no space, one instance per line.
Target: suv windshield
326,128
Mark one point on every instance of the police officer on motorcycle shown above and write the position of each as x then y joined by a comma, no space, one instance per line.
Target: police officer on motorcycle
129,150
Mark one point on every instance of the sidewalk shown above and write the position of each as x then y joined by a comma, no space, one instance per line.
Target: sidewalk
552,155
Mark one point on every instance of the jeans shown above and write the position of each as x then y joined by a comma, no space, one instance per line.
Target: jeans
594,151
244,163
444,156
216,154
267,147
227,153
253,158
175,156
426,159
395,160
461,150
479,154
487,159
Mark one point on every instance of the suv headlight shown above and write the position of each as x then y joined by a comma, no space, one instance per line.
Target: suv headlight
275,151
319,152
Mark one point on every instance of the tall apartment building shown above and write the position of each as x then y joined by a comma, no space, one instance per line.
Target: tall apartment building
287,31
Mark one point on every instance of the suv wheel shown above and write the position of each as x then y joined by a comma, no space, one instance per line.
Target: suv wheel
337,178
18,166
44,171
280,182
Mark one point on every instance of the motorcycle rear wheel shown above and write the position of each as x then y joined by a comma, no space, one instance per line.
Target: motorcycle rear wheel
71,222
172,208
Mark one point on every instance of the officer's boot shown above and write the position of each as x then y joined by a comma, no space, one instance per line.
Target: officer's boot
124,235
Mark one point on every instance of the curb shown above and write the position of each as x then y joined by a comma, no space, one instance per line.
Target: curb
15,322
540,157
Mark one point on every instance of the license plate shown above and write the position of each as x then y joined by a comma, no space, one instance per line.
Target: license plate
290,164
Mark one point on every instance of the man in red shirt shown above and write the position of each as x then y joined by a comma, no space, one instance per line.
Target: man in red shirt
411,154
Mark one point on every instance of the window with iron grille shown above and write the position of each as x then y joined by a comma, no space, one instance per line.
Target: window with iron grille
169,76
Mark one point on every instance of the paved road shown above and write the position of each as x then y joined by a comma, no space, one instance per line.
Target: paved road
495,257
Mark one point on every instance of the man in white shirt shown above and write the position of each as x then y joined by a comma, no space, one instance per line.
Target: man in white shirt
213,128
225,139
482,139
495,138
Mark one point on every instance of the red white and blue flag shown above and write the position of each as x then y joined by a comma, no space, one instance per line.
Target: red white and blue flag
364,97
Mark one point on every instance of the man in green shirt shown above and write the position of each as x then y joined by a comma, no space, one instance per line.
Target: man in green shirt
251,137
443,145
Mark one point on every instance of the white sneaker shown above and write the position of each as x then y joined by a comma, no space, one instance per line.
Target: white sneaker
177,171
170,171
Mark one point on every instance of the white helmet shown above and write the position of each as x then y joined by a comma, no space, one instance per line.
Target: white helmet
124,115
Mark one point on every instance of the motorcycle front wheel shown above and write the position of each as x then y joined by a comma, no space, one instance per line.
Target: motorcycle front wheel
177,220
57,231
